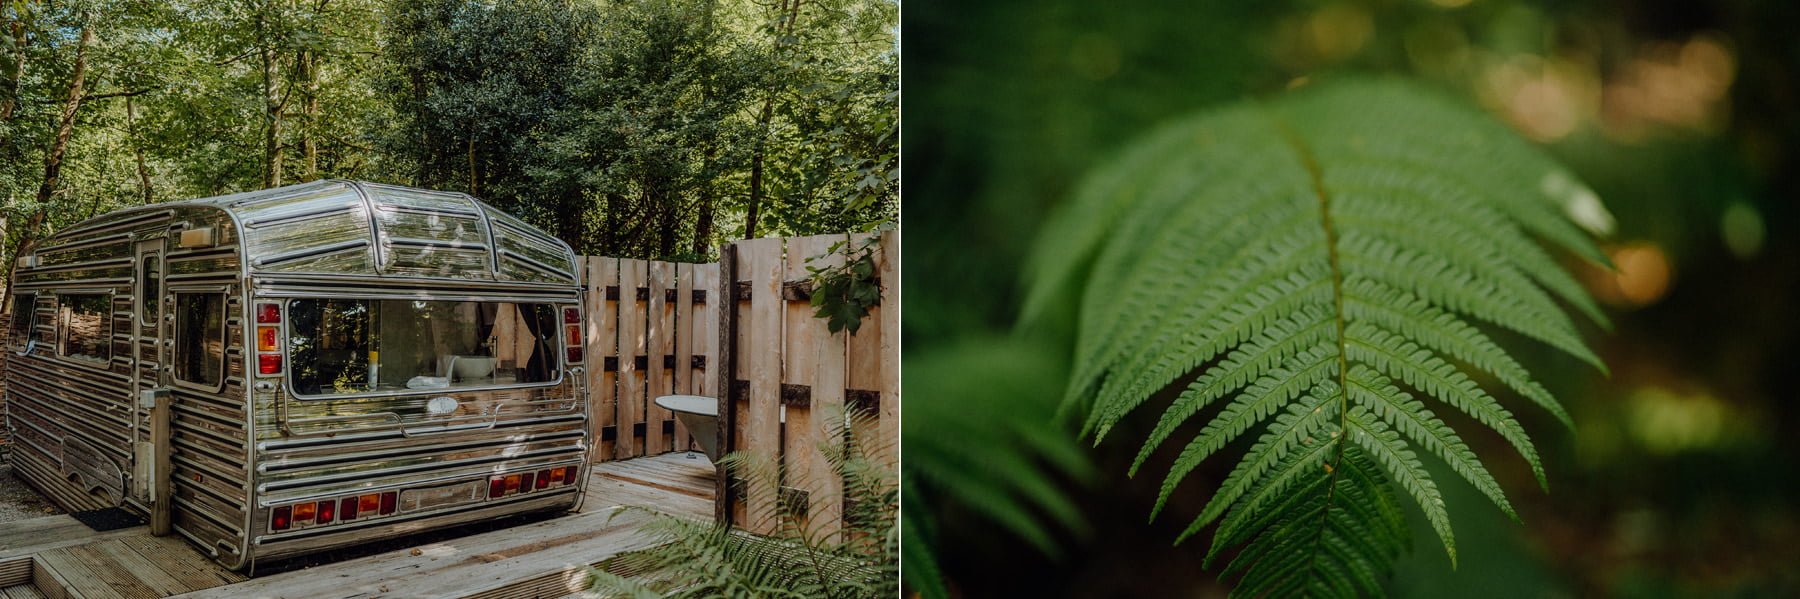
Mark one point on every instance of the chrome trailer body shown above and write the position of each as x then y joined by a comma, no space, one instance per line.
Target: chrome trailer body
249,444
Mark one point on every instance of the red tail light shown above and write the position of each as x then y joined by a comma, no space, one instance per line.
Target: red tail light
327,511
525,481
570,472
282,519
268,363
497,487
268,313
389,501
543,479
574,355
349,508
571,316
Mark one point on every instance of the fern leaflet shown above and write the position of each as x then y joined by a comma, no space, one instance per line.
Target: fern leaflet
1318,263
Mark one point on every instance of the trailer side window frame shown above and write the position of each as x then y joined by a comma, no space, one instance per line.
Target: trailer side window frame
24,317
201,339
149,288
69,307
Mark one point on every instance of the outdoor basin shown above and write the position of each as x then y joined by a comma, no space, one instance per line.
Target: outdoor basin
700,415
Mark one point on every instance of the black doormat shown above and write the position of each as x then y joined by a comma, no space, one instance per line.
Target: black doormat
111,518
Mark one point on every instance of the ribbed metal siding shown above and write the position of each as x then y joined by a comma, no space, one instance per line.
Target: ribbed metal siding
52,399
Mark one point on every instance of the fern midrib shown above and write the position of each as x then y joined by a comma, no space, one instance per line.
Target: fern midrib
1311,163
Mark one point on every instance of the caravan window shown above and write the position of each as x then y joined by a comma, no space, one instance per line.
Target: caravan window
87,326
347,346
149,289
200,338
24,311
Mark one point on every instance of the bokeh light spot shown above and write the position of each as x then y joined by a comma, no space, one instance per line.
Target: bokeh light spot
1643,276
1742,229
1095,56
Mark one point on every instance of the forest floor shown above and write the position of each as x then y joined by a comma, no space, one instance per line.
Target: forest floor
18,501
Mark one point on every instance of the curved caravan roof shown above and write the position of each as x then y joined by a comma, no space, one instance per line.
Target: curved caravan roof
338,227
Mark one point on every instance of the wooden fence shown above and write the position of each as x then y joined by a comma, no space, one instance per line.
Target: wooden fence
791,379
658,328
650,332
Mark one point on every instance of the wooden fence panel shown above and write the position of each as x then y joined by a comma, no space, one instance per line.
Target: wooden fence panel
706,330
813,361
658,340
742,331
762,265
684,346
602,345
632,322
887,315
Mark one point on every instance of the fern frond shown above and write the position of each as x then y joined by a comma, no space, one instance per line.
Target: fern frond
990,394
1404,468
1403,360
1373,392
1321,261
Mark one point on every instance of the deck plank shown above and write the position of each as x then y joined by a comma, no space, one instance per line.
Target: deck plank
83,581
456,567
49,532
22,591
179,560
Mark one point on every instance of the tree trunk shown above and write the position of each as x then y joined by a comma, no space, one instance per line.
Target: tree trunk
763,120
272,106
703,224
137,151
756,169
53,159
609,232
309,145
666,225
703,221
474,189
66,125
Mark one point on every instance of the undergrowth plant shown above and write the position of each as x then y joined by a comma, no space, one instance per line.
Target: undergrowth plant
811,558
1325,267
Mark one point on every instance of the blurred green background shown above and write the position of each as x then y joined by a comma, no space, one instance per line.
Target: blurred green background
1685,116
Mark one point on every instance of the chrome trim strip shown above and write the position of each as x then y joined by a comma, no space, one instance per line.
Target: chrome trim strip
311,252
282,219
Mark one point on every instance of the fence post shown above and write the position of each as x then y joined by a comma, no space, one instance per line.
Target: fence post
725,352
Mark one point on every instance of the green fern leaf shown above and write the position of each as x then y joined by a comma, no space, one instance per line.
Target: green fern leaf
1320,266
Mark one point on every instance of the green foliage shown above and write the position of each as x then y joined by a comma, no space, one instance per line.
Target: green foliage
978,433
1308,256
843,292
626,128
646,128
703,559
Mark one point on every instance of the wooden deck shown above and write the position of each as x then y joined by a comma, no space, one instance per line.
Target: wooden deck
541,559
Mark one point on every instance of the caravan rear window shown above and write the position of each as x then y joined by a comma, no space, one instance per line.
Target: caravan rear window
349,346
87,326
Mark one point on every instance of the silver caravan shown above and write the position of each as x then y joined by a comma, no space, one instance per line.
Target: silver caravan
290,370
